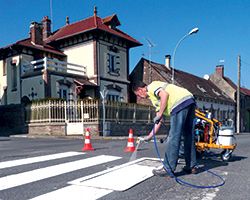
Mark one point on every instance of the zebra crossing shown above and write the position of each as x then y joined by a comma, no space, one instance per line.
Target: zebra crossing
90,186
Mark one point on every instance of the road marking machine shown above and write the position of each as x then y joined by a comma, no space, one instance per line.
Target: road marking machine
210,134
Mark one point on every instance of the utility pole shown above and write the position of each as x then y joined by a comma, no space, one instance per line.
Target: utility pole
238,96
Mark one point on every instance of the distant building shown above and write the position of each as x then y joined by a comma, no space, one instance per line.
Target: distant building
208,96
76,61
230,88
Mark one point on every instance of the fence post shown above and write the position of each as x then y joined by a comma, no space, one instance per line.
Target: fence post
82,110
49,111
117,112
134,114
65,111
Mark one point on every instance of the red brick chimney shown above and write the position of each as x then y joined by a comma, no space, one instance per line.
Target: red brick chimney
36,33
220,70
46,27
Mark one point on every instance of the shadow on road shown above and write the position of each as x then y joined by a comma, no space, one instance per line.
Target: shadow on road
212,160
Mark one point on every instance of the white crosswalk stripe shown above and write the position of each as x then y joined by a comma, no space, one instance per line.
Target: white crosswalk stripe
95,185
14,163
75,192
47,172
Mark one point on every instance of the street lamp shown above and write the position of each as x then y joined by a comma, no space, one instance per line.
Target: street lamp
103,95
193,31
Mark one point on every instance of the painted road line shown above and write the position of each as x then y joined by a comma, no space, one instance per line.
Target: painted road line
14,163
47,172
129,175
75,192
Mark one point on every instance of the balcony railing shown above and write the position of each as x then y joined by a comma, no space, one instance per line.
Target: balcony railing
54,65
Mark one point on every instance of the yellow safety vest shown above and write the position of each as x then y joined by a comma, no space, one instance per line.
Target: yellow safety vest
177,95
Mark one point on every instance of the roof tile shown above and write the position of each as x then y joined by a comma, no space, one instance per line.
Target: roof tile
91,23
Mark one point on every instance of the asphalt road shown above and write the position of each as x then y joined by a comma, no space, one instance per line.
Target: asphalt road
236,172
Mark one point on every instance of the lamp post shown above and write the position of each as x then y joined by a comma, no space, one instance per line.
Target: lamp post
193,31
103,95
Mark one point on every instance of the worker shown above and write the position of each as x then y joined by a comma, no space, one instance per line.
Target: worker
179,104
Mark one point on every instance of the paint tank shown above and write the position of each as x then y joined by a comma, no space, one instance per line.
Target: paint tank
225,137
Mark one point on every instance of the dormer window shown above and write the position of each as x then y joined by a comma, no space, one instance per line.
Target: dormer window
215,92
201,88
112,21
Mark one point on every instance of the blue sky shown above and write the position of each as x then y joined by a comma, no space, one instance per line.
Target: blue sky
224,28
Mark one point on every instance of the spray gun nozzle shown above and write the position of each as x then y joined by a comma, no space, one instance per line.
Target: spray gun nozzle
139,140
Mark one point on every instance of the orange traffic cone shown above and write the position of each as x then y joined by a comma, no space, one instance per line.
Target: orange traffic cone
130,145
87,144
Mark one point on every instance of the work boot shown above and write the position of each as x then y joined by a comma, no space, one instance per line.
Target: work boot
161,172
193,170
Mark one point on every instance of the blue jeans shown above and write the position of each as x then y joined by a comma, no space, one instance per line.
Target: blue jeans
181,123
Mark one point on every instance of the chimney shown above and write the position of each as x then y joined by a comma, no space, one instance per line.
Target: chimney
46,27
95,11
167,61
67,20
220,70
36,33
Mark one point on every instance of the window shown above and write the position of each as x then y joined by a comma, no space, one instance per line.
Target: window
201,88
217,93
4,67
63,92
113,95
5,99
13,77
112,62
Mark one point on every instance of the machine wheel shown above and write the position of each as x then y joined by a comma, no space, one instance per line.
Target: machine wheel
226,154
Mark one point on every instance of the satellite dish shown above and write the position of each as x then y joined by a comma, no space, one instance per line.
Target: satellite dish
206,76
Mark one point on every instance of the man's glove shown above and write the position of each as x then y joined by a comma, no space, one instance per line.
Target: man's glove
143,139
157,119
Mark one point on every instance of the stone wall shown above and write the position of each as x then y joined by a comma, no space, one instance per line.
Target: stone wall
53,129
112,129
57,129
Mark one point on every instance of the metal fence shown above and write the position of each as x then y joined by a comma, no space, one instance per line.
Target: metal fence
59,111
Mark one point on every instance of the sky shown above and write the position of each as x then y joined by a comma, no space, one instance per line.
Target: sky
224,29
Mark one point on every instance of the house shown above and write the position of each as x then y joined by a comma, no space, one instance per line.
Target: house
78,60
230,88
208,96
